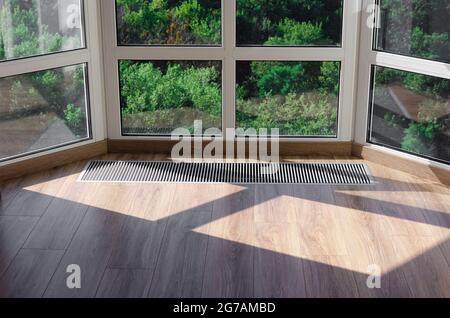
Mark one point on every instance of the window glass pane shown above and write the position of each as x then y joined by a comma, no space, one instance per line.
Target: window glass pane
289,22
299,98
414,28
42,110
174,22
36,27
158,97
411,112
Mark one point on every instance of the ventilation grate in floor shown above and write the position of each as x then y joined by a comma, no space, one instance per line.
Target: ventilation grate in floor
223,172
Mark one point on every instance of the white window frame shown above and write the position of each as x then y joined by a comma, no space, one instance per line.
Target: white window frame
369,57
229,53
91,55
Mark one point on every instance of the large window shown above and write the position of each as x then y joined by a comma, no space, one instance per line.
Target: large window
414,28
289,23
411,112
231,64
299,98
34,27
43,109
44,66
150,22
405,55
158,97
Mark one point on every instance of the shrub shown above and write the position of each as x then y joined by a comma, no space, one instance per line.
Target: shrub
74,118
431,46
145,87
418,137
143,20
291,32
329,78
296,114
281,79
2,48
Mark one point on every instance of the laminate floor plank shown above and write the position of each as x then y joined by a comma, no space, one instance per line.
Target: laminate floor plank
14,231
181,261
230,254
90,249
329,277
36,193
29,273
278,267
60,221
124,283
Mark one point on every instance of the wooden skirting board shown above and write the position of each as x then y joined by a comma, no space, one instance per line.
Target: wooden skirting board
287,148
393,161
53,160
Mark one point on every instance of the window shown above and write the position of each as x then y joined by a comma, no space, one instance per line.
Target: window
405,68
159,96
48,68
30,28
289,23
414,28
150,22
43,109
231,64
411,112
299,98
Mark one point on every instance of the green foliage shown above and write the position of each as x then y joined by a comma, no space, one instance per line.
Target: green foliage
141,19
281,79
409,31
431,46
329,78
2,47
208,29
300,98
21,33
294,114
291,32
169,22
289,22
432,86
74,117
146,88
418,137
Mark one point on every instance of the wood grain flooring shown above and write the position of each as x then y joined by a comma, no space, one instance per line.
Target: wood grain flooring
181,240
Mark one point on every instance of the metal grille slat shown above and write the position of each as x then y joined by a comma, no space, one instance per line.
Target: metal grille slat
226,172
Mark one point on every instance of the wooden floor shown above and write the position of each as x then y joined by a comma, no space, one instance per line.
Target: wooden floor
167,240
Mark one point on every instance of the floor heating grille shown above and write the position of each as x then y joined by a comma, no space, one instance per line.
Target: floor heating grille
223,172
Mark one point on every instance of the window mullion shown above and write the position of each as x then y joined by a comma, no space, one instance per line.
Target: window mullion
229,64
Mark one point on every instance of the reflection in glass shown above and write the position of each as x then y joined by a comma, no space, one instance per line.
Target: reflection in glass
35,27
175,22
299,98
411,112
289,23
414,28
42,110
158,97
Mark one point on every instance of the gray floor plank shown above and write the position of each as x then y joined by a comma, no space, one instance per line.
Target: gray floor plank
90,249
124,283
14,231
29,273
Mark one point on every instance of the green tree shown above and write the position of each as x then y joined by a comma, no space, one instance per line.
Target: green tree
291,32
